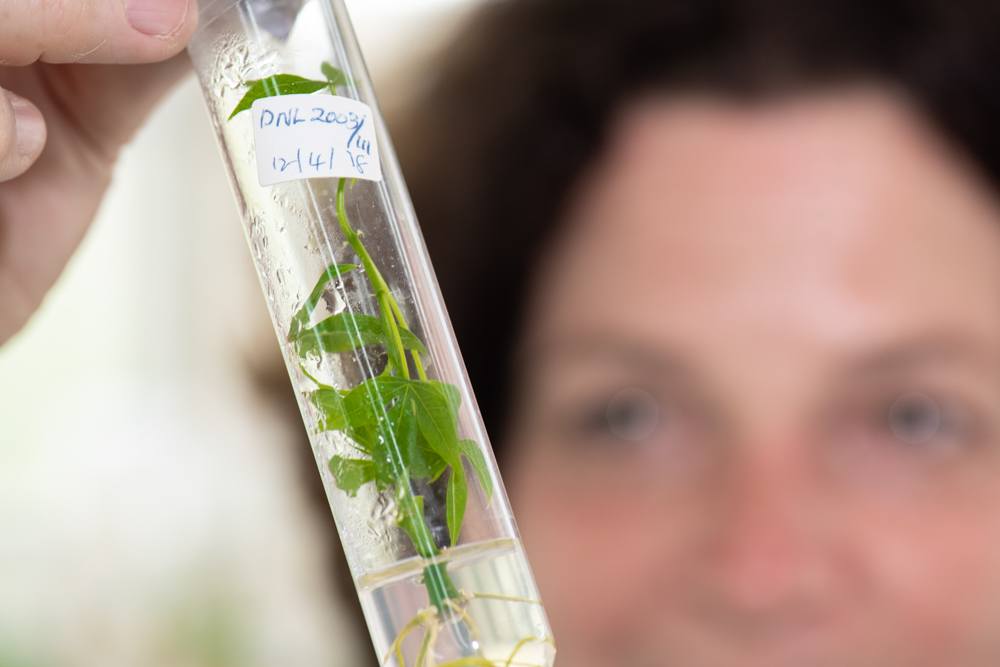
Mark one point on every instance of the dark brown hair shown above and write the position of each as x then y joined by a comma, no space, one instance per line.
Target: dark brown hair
521,102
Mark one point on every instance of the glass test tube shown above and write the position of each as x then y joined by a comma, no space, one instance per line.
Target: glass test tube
398,438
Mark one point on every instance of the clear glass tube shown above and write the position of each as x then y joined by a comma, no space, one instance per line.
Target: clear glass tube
397,435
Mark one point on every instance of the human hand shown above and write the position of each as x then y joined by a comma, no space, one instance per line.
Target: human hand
77,77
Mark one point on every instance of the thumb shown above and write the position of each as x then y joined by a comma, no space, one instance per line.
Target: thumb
94,31
22,135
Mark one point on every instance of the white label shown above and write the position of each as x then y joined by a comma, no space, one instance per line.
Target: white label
314,136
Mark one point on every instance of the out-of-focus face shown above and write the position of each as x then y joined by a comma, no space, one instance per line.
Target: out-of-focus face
760,408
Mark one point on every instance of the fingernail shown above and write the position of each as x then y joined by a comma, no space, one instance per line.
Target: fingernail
29,126
158,18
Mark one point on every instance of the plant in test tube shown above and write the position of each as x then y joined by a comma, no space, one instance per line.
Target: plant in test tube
401,425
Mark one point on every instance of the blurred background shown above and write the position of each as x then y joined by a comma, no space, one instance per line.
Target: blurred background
144,520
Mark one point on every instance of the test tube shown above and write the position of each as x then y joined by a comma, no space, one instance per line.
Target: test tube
399,442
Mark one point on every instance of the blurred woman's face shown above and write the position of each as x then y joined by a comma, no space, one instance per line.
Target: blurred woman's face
760,411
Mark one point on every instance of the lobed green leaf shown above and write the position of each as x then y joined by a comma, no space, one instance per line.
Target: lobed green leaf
351,474
397,420
436,409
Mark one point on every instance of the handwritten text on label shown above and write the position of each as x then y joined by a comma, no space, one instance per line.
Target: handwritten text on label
314,136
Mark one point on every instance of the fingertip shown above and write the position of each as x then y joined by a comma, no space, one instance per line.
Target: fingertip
154,35
170,22
29,127
22,135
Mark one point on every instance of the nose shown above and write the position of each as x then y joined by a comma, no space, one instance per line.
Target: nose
770,563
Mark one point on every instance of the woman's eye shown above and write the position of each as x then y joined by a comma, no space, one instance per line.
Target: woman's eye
631,415
929,423
907,435
916,419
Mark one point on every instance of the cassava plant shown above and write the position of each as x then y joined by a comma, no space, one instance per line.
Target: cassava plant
401,425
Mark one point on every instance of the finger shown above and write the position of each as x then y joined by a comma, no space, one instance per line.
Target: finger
140,89
94,31
106,102
22,135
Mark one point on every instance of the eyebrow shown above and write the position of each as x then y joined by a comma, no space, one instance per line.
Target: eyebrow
627,352
926,350
887,357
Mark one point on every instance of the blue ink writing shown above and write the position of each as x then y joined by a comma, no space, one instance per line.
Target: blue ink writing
288,118
315,137
358,161
281,164
357,141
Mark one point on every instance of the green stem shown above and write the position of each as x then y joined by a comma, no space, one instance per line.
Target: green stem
417,363
389,309
396,352
440,587
310,376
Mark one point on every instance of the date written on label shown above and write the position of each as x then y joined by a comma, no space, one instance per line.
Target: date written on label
314,136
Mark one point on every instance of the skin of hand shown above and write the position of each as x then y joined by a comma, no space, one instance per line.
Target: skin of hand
77,78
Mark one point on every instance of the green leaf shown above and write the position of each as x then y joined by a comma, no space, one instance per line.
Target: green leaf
372,428
272,86
351,474
421,461
301,318
334,76
348,331
458,496
341,333
330,402
367,440
365,403
438,420
436,408
419,419
472,452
